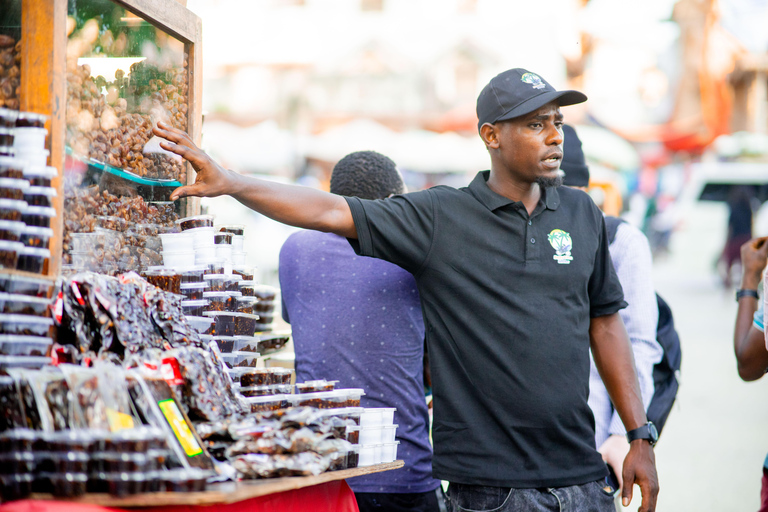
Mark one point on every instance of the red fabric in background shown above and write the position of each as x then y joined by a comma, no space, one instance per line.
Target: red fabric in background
333,496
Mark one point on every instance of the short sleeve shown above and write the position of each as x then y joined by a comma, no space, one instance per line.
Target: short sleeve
606,296
398,229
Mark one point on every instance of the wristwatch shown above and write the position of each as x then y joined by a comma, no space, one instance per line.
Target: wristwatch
647,431
746,293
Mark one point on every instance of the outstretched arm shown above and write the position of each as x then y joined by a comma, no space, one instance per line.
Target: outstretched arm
749,342
613,357
303,207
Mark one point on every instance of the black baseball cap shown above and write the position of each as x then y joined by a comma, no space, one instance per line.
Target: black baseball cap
517,92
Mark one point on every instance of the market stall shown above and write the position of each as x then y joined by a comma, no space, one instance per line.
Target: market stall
134,339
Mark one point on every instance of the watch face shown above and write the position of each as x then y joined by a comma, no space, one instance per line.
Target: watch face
653,432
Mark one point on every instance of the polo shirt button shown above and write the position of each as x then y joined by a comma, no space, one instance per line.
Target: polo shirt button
533,240
530,223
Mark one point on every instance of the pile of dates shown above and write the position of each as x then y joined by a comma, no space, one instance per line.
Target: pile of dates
10,72
114,128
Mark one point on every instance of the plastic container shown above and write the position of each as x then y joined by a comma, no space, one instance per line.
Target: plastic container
8,151
26,285
29,138
272,389
265,293
201,324
11,167
226,343
194,307
33,236
178,259
314,386
236,374
266,402
12,303
238,257
8,117
38,216
10,230
216,282
177,242
32,156
12,209
378,434
16,462
240,359
39,196
223,323
39,175
322,400
33,259
6,136
224,252
367,455
245,304
193,274
164,278
233,284
222,238
9,254
389,451
15,487
213,266
219,301
13,189
23,345
266,377
30,119
27,362
204,253
196,221
183,480
245,324
193,291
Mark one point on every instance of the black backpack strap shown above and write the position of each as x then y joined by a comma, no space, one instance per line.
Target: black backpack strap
612,226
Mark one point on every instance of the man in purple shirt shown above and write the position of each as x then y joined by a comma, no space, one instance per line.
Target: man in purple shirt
358,320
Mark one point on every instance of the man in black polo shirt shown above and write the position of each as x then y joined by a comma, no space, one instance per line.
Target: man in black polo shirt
516,284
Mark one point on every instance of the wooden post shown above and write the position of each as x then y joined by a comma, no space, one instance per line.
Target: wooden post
195,108
43,90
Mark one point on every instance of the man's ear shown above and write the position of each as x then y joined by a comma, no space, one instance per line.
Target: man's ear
489,134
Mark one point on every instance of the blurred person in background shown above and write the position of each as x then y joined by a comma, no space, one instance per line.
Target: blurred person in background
739,229
749,342
358,320
632,260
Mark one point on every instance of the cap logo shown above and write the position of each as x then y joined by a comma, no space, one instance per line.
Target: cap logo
533,79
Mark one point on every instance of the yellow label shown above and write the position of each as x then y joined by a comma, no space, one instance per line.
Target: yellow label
118,420
180,428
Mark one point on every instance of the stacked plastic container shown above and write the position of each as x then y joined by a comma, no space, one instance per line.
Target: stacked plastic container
26,195
26,210
376,436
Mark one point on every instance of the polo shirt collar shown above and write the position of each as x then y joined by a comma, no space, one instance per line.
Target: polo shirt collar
492,200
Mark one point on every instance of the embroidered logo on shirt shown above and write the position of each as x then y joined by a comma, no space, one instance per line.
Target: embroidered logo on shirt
562,243
533,79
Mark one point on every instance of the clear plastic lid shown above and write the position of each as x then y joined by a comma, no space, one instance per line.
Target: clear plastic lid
14,183
216,277
202,218
40,191
23,298
23,319
220,313
10,225
7,245
38,231
265,399
216,295
35,251
194,303
42,211
43,171
194,286
13,204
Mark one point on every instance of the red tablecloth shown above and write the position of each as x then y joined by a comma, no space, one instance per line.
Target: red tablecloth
333,496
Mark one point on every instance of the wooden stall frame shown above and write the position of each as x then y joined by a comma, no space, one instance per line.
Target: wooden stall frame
44,80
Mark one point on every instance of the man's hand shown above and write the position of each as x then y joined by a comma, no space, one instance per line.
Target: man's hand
754,256
212,179
614,450
640,469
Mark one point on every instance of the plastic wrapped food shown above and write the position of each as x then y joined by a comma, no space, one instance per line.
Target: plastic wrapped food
9,254
313,386
33,259
266,466
11,209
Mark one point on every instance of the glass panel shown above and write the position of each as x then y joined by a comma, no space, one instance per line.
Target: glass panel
10,53
123,76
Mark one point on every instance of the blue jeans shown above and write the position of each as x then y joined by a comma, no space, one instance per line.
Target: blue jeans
590,497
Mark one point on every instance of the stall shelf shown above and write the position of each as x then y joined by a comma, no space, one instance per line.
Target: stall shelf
218,493
45,27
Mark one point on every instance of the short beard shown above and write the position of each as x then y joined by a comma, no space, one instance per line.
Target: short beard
546,181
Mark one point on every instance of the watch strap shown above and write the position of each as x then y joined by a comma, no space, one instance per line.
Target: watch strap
647,432
746,293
